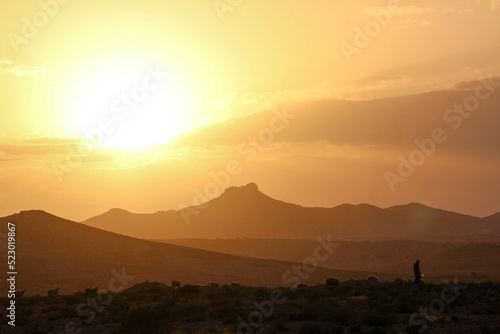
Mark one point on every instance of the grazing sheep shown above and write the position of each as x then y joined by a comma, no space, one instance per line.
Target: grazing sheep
332,281
53,293
400,280
19,293
176,284
89,292
302,285
373,279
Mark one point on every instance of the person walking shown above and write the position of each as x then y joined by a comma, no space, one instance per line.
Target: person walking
416,271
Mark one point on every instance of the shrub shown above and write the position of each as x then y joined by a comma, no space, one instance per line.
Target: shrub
51,308
68,312
377,331
355,329
76,298
310,329
489,330
342,315
332,281
303,314
334,329
226,313
375,320
147,320
186,289
278,326
194,312
414,329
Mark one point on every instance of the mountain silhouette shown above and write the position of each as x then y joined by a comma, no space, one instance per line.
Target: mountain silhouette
245,212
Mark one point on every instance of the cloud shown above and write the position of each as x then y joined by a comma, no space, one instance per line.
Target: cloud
425,23
389,122
470,85
39,146
48,150
53,141
373,81
495,4
247,102
267,99
417,10
406,10
462,11
6,67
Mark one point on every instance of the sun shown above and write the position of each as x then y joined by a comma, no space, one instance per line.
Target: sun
127,104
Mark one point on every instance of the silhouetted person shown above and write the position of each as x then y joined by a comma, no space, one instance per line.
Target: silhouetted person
416,271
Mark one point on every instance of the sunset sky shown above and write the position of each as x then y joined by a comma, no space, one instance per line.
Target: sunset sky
175,93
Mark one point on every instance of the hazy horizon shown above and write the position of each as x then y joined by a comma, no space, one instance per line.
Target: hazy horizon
182,208
317,104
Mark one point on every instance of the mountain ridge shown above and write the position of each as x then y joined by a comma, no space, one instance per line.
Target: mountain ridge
247,212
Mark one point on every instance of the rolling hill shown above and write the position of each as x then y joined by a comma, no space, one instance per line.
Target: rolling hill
51,251
246,212
472,261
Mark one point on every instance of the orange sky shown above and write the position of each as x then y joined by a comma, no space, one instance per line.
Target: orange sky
135,75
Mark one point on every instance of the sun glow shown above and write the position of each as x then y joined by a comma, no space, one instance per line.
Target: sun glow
127,104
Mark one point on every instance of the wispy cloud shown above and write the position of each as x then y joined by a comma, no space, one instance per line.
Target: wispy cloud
6,67
327,90
418,10
38,146
37,149
407,10
461,11
268,99
373,81
425,23
470,85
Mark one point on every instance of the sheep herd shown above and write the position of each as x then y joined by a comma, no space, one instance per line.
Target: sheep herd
92,292
370,280
19,293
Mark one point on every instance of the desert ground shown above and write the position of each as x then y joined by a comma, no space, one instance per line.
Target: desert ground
351,307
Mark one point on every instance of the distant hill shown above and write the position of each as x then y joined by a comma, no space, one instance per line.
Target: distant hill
473,261
493,218
246,212
52,252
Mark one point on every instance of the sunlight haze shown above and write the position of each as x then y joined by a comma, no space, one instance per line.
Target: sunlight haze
160,95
